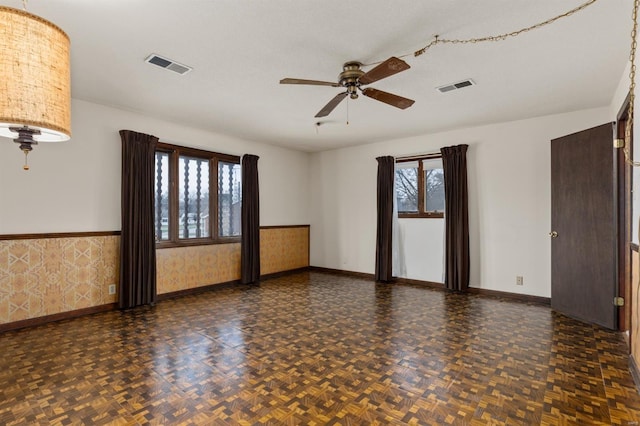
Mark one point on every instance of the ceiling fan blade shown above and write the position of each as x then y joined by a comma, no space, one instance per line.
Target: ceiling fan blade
331,105
386,69
310,82
388,98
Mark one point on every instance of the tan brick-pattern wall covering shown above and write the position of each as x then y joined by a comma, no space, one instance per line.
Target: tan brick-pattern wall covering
47,276
52,275
283,249
182,268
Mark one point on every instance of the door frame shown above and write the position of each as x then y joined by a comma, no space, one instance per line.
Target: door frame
624,223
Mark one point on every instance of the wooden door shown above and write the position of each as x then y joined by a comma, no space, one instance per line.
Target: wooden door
583,223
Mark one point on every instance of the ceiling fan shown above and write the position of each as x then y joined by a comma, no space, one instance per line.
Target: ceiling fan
352,78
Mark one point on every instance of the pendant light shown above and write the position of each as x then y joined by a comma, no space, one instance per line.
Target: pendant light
35,83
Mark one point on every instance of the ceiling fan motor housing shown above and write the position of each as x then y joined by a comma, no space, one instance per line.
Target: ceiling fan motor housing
351,74
349,78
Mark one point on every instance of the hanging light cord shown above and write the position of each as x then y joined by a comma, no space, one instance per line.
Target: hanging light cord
632,88
499,37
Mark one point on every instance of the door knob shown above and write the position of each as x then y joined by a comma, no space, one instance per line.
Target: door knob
553,234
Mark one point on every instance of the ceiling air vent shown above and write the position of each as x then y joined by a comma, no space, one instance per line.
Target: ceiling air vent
168,64
455,86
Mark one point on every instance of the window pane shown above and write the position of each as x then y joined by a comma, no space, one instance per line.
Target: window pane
229,199
434,190
407,189
193,197
161,207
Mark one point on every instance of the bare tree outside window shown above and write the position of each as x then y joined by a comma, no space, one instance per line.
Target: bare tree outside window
434,188
420,188
407,189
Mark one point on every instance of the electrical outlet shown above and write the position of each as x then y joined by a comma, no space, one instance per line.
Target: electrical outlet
112,289
519,280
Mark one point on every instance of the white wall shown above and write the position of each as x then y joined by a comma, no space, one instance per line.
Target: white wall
509,184
422,249
74,186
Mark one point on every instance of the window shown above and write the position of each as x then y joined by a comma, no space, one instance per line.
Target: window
229,195
193,197
420,187
197,196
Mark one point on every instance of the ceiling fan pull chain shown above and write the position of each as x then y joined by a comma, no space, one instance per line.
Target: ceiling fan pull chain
347,112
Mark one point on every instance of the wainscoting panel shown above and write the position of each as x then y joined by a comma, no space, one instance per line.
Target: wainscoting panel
48,274
40,277
635,324
283,248
182,268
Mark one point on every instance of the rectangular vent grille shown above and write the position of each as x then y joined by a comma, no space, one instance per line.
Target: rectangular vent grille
455,86
168,64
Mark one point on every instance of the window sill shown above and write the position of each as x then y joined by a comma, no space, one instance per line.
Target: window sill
421,215
196,242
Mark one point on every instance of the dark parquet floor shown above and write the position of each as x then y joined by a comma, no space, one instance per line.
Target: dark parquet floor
315,349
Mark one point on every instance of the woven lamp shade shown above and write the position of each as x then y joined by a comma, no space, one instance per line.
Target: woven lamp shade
35,83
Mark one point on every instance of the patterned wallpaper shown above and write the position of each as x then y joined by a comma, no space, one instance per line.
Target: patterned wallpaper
182,268
48,276
283,249
53,275
635,305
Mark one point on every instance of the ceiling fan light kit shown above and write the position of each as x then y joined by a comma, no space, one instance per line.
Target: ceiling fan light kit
352,78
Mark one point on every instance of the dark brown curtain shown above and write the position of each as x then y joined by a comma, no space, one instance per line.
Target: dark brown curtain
456,194
384,235
137,241
250,247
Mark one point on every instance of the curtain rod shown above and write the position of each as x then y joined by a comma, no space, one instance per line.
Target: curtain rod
419,156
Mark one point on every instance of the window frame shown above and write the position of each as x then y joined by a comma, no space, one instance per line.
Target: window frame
421,213
175,152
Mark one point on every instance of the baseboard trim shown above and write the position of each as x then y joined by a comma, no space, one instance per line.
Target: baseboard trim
32,322
273,275
430,284
227,284
364,275
197,290
341,272
527,298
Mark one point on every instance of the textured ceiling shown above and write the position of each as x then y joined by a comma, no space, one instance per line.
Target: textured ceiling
240,49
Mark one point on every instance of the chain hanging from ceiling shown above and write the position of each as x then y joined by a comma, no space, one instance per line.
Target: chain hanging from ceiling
501,37
632,89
